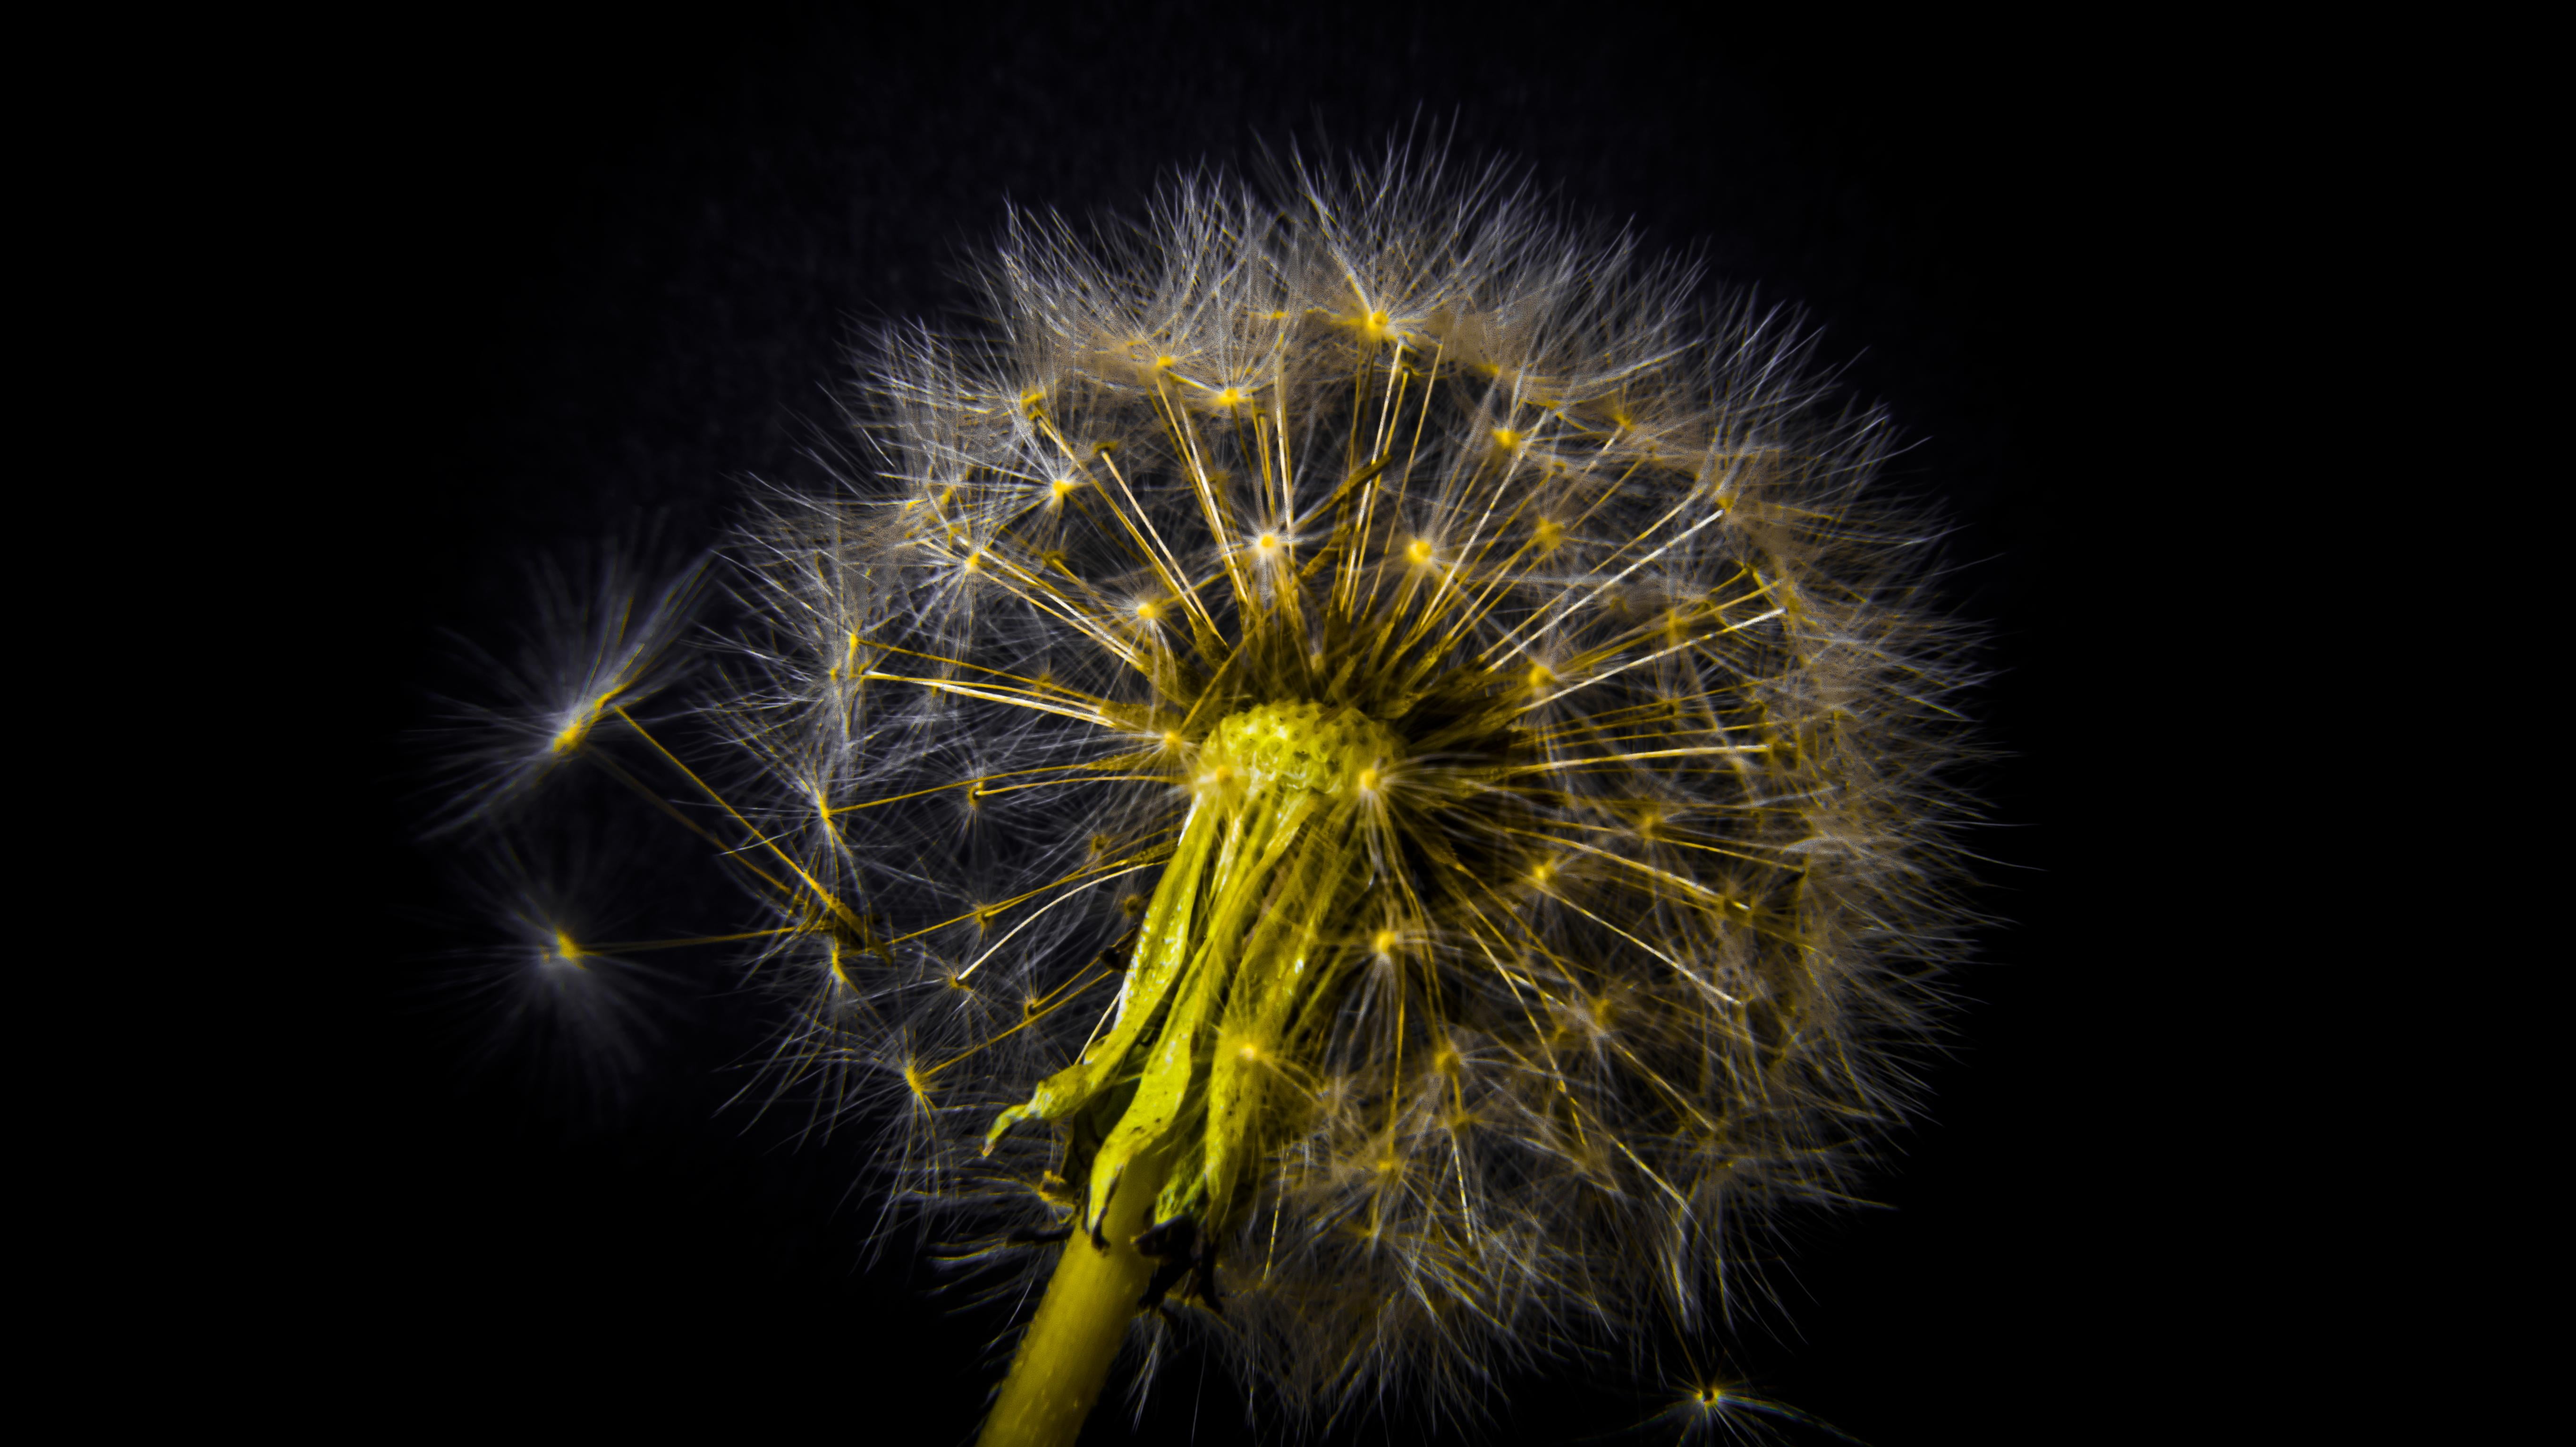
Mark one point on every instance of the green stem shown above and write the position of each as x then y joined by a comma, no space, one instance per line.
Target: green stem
1065,1357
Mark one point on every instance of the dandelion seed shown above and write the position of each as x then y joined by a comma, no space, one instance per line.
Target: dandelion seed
593,646
554,997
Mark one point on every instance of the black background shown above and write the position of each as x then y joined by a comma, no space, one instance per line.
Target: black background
587,275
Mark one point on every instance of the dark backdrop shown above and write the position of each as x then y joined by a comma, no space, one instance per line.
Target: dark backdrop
583,276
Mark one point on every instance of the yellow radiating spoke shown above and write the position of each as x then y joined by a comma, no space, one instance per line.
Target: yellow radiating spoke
988,911
1350,524
1079,979
1471,552
1487,936
1126,538
1138,529
822,896
1167,564
1388,414
1273,479
1505,576
1047,596
996,946
1623,641
937,685
1690,889
1569,600
1667,838
640,946
1593,739
1093,779
1592,725
1612,759
1649,1171
1032,1019
1677,966
1091,627
1340,543
1033,684
1391,405
1115,761
723,850
1185,443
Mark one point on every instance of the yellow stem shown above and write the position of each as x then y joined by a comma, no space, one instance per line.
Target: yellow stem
1064,1359
1225,947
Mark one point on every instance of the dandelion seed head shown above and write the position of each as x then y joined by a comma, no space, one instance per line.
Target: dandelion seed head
1458,760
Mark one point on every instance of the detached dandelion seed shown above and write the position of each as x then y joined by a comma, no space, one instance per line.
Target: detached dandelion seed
1363,782
596,644
574,1012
